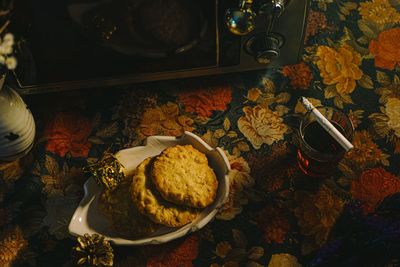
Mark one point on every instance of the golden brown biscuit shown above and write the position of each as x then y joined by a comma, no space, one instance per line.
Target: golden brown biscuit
151,204
182,176
118,208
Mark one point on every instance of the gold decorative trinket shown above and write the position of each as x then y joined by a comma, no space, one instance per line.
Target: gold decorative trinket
93,250
108,171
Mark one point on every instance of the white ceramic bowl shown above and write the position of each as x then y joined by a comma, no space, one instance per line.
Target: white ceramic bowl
88,219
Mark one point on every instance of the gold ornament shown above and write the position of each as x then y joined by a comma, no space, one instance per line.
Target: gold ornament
93,250
108,171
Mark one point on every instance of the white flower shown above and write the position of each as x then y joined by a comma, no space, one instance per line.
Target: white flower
6,49
239,181
11,63
8,39
6,46
260,125
3,50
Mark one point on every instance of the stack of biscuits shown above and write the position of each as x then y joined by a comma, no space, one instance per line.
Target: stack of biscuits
170,189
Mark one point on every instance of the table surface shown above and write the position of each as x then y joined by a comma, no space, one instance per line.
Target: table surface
275,216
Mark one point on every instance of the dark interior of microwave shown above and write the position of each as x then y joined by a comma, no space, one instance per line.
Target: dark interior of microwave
72,40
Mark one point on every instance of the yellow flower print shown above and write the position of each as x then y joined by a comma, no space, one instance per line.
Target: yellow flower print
164,120
268,84
299,108
392,111
283,260
339,67
253,94
11,171
379,11
387,123
260,125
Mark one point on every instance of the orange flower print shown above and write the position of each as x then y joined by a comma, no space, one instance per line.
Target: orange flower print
68,132
274,224
222,249
253,94
203,101
385,49
13,246
180,255
356,117
316,21
365,152
300,75
339,67
379,11
373,186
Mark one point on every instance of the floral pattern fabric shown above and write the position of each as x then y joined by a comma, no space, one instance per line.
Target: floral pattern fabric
274,215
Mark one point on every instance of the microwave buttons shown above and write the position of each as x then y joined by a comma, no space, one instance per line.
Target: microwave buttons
264,48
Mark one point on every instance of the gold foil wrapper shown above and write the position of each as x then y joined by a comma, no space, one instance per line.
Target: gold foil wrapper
108,171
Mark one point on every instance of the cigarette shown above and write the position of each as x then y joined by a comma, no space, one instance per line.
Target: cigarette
326,124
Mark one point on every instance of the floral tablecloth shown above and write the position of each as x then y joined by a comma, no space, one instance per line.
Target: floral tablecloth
275,216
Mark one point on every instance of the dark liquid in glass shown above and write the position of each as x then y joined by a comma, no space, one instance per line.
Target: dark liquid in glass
322,161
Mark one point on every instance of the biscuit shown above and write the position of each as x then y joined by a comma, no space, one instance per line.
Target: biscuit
123,215
182,176
151,204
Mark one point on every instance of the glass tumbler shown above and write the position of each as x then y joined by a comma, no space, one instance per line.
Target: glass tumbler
318,154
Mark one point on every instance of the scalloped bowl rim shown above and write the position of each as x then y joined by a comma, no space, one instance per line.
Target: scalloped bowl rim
130,158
